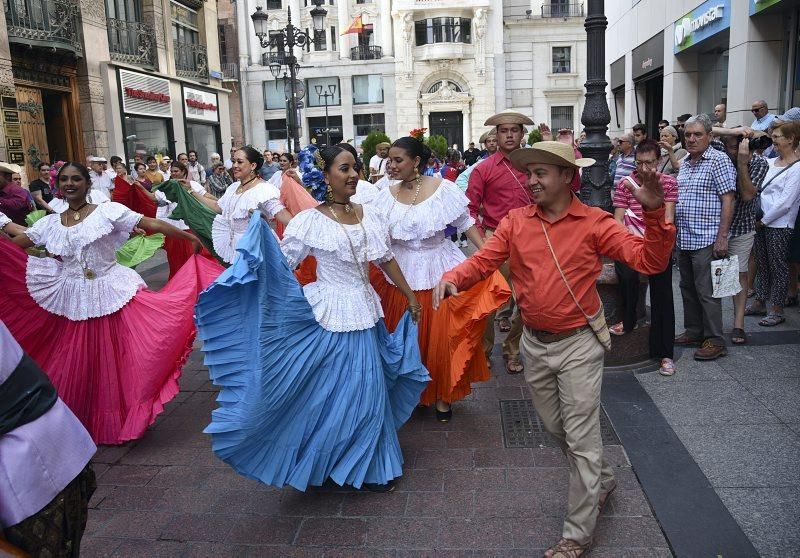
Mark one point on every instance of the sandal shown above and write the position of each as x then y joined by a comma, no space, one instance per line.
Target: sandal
754,310
567,548
513,365
504,325
772,320
738,336
667,367
617,329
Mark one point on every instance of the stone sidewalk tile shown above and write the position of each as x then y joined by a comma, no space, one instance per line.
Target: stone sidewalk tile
462,494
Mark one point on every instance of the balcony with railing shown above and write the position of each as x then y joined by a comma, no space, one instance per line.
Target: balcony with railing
279,57
559,9
191,61
131,42
52,24
366,52
230,71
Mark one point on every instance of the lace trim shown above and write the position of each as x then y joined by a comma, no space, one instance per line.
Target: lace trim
78,298
99,223
4,221
315,230
238,206
447,205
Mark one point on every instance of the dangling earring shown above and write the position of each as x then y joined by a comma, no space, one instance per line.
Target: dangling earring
329,194
416,174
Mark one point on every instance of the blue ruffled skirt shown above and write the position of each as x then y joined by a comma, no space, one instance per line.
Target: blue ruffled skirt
300,404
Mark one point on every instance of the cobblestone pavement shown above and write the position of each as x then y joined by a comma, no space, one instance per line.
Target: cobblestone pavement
462,493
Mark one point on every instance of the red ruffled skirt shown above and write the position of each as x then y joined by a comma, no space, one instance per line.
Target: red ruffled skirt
450,337
114,372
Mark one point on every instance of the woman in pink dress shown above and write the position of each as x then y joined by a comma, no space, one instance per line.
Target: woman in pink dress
112,348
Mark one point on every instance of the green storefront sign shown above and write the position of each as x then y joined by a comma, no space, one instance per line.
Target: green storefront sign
758,5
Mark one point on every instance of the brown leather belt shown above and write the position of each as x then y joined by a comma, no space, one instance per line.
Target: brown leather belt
549,337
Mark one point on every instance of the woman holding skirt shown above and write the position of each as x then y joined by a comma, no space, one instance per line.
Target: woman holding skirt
313,385
239,201
113,349
419,209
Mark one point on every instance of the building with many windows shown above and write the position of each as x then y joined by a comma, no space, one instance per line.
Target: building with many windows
445,65
544,48
81,77
671,58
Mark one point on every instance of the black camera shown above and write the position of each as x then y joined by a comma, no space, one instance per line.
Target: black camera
759,143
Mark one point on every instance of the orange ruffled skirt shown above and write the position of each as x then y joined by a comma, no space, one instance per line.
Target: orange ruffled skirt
450,337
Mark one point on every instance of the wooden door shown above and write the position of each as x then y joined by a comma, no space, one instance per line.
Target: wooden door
34,133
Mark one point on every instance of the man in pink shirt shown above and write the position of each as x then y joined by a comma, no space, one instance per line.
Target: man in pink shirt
495,188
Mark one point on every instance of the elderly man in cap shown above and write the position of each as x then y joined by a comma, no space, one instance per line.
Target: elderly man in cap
554,246
489,141
495,188
101,181
378,162
15,201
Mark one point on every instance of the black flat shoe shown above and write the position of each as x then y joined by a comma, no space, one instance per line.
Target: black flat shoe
379,488
444,416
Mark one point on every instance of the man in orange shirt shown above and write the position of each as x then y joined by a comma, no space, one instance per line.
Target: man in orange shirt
556,235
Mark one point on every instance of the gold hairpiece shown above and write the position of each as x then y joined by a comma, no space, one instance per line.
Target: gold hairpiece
319,160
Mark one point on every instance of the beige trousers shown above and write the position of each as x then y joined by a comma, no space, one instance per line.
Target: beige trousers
565,379
511,344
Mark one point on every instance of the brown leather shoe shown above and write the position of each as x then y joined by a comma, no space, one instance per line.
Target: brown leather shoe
710,351
684,339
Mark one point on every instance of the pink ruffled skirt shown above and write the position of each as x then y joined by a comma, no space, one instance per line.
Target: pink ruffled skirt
114,372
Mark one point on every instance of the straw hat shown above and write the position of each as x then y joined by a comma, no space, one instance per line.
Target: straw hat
508,118
486,135
10,168
548,153
383,144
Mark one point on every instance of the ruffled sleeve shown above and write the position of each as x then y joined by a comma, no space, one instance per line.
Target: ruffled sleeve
366,192
124,219
3,221
238,206
196,187
294,250
40,230
316,231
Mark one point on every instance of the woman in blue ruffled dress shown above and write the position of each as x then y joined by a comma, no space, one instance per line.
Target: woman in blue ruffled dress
313,385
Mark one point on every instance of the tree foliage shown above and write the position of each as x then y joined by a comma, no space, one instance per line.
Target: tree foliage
437,144
534,136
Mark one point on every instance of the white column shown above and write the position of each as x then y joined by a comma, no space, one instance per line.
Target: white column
387,42
426,119
343,16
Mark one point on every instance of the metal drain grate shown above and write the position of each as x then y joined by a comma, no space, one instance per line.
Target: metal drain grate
522,427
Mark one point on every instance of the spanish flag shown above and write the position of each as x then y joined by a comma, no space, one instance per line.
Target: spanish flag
358,26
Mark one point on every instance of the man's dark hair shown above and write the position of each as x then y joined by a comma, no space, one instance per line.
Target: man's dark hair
684,117
42,164
640,128
191,151
648,146
664,122
151,158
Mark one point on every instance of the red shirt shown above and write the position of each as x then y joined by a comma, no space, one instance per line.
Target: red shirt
579,238
15,203
495,188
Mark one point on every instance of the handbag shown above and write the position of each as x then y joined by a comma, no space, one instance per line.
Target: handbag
597,321
759,211
725,277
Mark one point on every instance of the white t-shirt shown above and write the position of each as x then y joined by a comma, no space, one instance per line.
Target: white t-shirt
379,164
102,182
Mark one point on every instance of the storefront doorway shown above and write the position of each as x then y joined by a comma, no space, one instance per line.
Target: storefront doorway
45,126
316,127
653,89
450,125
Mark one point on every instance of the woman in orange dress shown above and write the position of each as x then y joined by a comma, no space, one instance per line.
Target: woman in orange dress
419,210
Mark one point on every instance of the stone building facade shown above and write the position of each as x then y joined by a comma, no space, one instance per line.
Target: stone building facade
88,77
445,65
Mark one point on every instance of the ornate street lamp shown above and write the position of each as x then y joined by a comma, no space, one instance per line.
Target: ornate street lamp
331,93
281,44
596,184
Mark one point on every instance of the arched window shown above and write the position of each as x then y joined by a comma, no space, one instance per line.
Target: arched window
438,85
